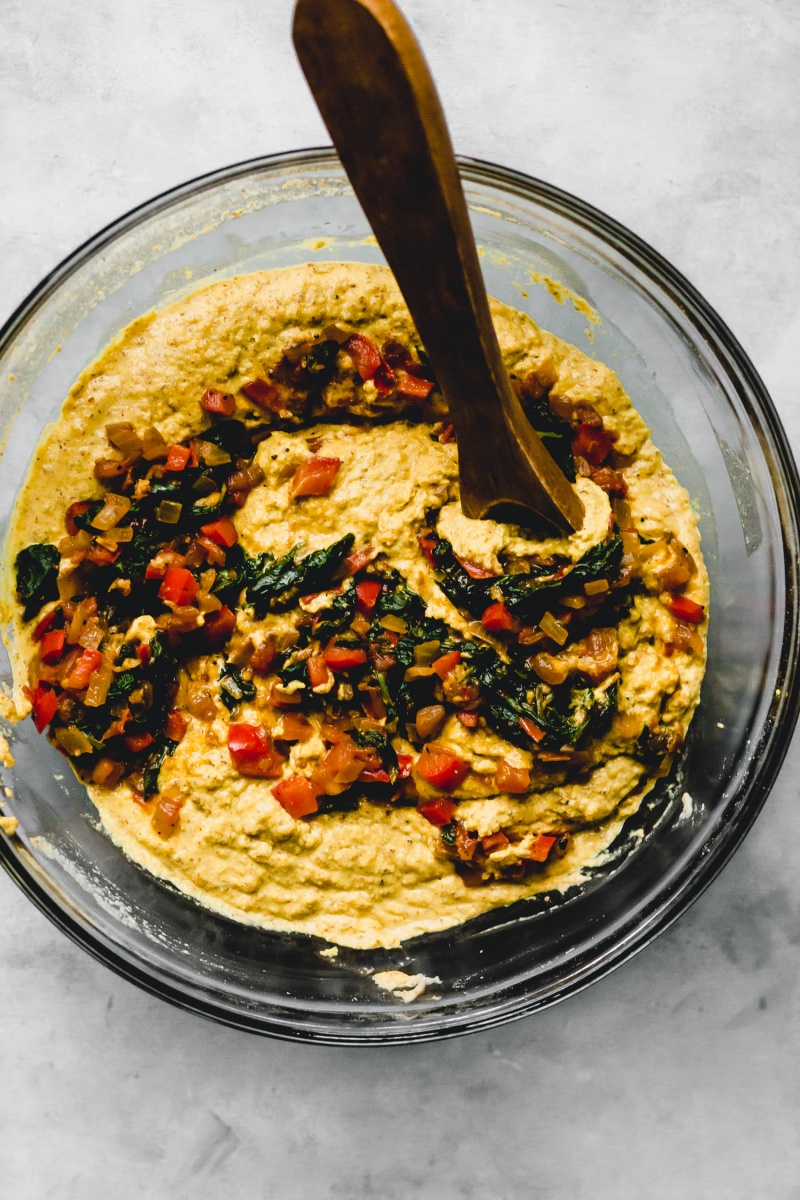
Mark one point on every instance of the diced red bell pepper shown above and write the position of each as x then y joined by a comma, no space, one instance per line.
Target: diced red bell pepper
179,586
343,658
218,626
356,561
404,765
144,653
297,795
531,728
222,531
317,670
364,354
385,380
475,571
542,845
264,394
252,751
493,841
515,780
444,665
412,387
374,776
367,592
497,618
427,545
684,609
177,458
75,510
439,811
592,443
83,670
45,703
218,403
314,477
52,646
45,623
136,742
177,724
470,720
441,768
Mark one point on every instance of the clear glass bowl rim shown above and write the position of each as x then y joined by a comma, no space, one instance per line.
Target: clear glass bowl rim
785,706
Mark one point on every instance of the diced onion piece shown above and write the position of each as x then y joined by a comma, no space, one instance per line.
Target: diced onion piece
210,454
426,653
554,629
595,586
120,533
429,720
73,741
153,444
112,512
99,684
92,634
124,437
167,812
169,512
393,623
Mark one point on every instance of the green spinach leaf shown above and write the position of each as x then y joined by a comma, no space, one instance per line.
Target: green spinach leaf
37,575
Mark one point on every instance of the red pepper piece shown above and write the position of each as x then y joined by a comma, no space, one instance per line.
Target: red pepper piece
45,703
531,728
470,720
684,609
177,724
264,394
541,847
179,587
441,768
177,458
498,619
136,742
52,646
412,387
44,624
83,670
317,670
439,811
314,477
75,510
356,561
475,571
592,443
222,531
374,776
444,665
144,653
404,764
343,658
218,403
252,751
364,354
367,592
427,545
297,795
385,380
218,626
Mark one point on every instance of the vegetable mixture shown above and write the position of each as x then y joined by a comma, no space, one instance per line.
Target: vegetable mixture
340,679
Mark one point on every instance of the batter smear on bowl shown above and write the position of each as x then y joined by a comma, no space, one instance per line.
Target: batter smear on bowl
298,683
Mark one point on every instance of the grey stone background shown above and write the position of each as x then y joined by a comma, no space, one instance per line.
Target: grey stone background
679,1074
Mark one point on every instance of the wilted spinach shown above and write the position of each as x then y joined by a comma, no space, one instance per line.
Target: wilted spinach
37,574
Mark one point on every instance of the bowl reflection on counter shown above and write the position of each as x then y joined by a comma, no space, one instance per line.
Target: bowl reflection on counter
596,285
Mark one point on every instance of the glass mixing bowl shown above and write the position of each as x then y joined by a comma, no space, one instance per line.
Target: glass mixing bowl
542,250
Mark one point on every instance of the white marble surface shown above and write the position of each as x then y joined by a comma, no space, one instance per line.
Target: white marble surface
679,1075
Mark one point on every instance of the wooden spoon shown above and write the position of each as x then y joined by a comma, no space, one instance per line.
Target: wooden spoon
377,98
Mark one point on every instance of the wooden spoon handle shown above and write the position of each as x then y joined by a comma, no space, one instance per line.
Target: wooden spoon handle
378,100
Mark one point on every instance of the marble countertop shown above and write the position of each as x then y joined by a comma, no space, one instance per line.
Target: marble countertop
677,1075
